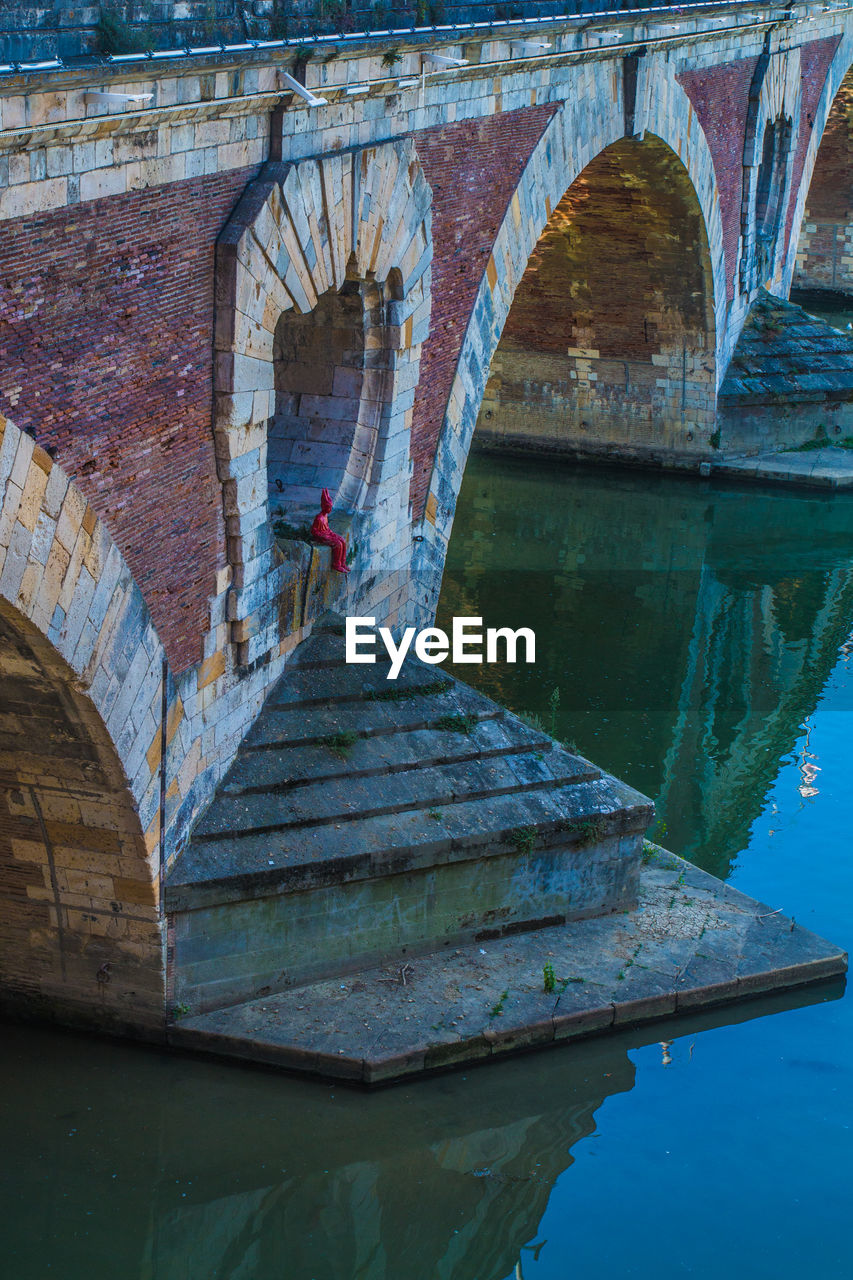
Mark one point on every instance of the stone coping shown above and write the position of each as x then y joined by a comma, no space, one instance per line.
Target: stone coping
693,942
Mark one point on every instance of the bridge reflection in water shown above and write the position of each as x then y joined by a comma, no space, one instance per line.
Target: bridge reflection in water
689,628
135,1164
682,623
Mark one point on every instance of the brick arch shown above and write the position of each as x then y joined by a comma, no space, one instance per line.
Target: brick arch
609,342
301,235
584,127
80,697
837,82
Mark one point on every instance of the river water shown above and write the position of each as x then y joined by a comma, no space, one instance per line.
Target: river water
695,640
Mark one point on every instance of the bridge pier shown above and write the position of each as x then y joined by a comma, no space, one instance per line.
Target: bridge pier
220,293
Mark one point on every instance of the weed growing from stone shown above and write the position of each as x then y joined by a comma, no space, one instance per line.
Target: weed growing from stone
620,977
497,1009
410,691
549,981
455,724
341,744
531,719
522,839
590,831
435,814
114,35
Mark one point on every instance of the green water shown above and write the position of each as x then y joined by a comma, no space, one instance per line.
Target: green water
832,307
699,638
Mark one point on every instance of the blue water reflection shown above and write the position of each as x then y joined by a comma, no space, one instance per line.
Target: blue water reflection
699,639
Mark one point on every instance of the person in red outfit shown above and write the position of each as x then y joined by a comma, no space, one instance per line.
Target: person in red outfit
321,532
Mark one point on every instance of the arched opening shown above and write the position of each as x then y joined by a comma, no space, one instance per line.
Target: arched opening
609,344
825,247
328,403
79,919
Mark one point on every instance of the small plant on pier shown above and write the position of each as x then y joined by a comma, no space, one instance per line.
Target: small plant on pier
455,724
522,839
291,532
590,831
407,692
341,744
497,1009
531,719
549,980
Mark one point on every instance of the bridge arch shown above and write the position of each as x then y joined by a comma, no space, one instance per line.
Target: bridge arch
820,231
80,688
609,340
323,301
583,128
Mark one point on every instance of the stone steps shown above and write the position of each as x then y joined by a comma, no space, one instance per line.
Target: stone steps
364,819
304,764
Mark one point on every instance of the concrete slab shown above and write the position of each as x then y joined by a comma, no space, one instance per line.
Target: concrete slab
827,468
692,942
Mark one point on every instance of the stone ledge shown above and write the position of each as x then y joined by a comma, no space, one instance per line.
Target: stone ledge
692,943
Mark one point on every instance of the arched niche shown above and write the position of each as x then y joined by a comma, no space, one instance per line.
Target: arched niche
327,257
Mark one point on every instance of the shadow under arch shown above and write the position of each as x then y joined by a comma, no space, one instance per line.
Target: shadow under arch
610,338
333,378
80,688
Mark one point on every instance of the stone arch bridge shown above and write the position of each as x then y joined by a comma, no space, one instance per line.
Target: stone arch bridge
230,277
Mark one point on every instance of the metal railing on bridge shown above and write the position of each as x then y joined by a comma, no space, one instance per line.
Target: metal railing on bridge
44,37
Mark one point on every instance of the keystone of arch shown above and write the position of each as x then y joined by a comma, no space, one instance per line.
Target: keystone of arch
299,231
